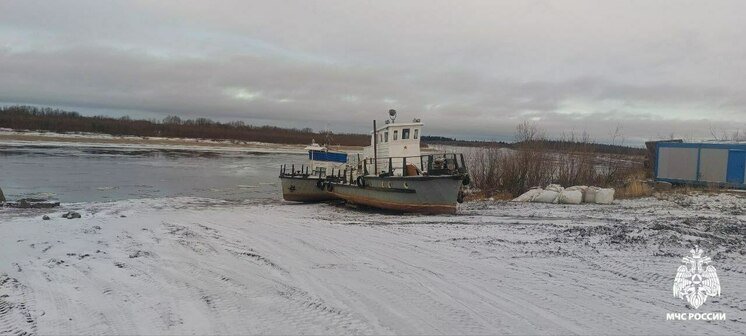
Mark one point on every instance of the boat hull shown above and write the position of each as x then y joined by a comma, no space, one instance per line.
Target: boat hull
420,194
303,189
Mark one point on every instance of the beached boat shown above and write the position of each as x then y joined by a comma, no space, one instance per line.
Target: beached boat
305,182
391,174
394,175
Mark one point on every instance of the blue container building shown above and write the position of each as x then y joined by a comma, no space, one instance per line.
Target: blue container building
701,163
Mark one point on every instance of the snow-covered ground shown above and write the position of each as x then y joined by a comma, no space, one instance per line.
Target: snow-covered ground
186,265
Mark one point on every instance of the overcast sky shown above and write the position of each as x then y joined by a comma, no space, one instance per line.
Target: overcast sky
471,69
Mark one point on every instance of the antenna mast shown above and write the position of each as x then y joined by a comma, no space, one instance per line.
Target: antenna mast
375,149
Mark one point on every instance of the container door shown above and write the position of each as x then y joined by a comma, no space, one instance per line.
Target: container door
736,166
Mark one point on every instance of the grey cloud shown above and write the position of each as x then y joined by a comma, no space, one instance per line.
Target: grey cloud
472,70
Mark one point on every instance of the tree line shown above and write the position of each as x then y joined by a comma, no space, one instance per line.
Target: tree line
56,120
560,145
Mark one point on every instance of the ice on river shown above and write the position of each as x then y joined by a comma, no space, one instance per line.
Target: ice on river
186,265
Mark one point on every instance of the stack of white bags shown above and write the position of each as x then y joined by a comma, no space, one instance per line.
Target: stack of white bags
555,193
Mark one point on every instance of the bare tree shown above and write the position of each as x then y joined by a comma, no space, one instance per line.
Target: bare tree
528,132
538,161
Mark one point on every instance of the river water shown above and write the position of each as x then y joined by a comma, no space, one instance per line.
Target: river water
95,174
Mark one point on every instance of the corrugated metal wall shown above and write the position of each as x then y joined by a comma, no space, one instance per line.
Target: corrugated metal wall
677,163
713,165
736,166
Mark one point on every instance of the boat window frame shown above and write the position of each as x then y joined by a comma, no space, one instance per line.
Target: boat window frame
386,136
416,133
405,133
396,135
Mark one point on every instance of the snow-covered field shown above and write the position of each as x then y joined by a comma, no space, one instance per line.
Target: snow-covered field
157,143
11,137
186,265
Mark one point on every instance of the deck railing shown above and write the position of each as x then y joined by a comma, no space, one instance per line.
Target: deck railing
304,171
431,164
428,164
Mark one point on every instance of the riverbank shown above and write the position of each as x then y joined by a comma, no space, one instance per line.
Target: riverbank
192,265
109,141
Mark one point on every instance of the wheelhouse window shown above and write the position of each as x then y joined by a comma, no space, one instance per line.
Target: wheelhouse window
396,135
385,136
416,133
405,134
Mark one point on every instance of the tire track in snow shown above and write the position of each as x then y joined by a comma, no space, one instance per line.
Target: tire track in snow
16,310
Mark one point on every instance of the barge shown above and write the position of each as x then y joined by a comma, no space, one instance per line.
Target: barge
305,183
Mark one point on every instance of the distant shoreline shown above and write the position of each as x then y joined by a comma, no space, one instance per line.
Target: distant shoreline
104,139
